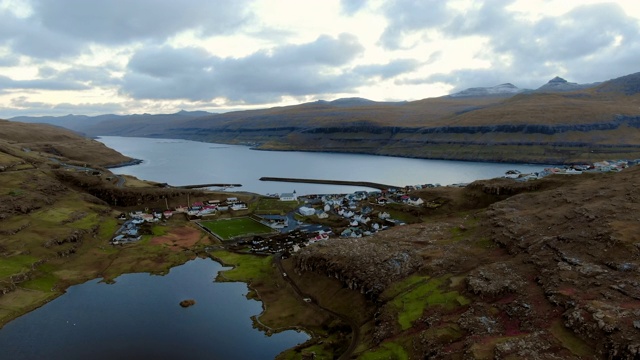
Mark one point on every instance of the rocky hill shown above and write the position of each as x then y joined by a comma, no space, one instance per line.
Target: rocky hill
501,269
558,84
560,122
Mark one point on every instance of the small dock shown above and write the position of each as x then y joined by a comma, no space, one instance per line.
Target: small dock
199,186
331,182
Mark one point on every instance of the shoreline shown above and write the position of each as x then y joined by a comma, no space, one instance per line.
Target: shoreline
127,163
331,182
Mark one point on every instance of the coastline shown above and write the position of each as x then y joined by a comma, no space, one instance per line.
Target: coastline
127,163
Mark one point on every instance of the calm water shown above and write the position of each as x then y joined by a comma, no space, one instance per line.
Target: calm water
139,317
183,162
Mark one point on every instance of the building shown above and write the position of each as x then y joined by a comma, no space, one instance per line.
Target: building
288,196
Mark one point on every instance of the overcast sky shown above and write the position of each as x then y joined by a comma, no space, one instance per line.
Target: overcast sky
159,56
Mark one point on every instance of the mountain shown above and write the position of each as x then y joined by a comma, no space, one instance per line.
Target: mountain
558,84
628,85
557,123
98,124
506,89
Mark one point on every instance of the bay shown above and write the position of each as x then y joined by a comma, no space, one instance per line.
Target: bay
184,162
139,317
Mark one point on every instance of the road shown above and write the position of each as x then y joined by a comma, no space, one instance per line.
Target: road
355,328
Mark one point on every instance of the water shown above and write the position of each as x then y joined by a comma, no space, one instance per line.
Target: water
183,162
139,317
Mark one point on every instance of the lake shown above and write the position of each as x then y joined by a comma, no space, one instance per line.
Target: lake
183,162
139,317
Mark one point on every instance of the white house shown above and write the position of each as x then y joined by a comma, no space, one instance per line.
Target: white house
288,197
415,201
239,206
323,215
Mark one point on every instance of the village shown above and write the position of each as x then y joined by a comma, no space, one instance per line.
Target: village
316,217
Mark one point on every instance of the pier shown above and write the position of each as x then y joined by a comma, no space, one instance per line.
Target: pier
331,182
198,186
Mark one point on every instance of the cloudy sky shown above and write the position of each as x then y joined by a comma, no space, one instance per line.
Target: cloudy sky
159,56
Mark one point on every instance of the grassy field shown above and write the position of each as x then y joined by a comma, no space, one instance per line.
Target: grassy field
227,229
274,206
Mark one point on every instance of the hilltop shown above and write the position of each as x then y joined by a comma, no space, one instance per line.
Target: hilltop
560,122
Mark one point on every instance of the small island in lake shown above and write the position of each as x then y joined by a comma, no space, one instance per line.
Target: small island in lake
187,303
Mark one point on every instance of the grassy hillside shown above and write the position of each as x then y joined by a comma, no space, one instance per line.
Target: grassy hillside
58,142
56,222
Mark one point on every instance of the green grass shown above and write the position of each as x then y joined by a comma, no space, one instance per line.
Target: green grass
229,228
570,341
158,230
388,350
274,206
15,265
420,295
247,268
108,227
45,280
86,222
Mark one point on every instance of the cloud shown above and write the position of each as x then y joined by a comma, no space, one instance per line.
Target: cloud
350,7
408,16
21,106
124,21
389,70
41,84
526,52
65,28
266,75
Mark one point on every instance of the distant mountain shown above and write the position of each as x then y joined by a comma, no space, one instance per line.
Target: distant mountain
558,84
357,101
506,89
627,85
95,124
560,122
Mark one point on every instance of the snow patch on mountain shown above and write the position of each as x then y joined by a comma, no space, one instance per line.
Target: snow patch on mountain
506,89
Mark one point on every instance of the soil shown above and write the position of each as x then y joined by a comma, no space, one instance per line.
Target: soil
179,238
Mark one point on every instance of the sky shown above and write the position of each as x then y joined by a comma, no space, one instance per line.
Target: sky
61,57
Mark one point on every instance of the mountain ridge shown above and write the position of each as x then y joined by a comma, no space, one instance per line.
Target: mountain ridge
559,122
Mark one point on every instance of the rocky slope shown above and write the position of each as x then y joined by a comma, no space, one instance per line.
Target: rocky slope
539,270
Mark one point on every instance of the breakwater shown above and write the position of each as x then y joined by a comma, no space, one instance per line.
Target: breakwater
331,182
199,186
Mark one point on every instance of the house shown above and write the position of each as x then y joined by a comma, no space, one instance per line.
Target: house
288,196
382,201
306,211
415,201
232,200
239,206
323,215
384,215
